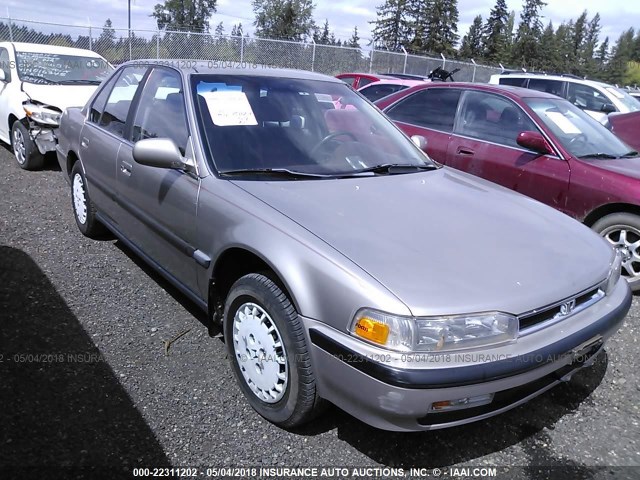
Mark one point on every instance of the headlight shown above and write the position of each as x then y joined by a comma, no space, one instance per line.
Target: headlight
434,334
42,114
614,274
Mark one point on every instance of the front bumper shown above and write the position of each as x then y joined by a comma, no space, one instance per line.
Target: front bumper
395,391
44,137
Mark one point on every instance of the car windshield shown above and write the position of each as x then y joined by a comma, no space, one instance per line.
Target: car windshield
633,104
579,133
53,68
312,127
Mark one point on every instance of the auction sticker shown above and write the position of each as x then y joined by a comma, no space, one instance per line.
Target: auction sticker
229,108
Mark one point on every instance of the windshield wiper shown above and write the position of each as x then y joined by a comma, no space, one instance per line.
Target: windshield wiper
80,81
630,154
274,172
38,77
393,168
599,155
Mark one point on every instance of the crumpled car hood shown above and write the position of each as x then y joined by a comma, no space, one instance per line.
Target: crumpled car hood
61,96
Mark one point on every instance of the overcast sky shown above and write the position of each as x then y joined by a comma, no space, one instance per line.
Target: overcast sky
617,15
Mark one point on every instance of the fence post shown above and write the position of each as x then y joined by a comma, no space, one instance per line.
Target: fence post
90,36
10,26
371,60
241,48
313,55
157,43
404,68
473,78
444,61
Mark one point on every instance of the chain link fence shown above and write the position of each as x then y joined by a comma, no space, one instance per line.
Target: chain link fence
118,46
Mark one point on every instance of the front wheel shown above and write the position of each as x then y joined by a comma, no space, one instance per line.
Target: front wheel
83,209
25,150
268,352
622,231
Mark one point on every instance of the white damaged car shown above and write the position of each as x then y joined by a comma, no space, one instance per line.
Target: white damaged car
37,83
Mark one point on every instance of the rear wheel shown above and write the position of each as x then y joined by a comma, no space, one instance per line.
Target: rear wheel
25,150
622,230
268,352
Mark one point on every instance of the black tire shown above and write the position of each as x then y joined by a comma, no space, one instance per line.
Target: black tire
85,218
24,149
610,227
299,401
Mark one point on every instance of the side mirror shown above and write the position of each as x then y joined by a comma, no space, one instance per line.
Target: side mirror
608,108
534,141
160,153
419,141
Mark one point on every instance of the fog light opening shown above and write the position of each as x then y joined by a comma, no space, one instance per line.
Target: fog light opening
460,403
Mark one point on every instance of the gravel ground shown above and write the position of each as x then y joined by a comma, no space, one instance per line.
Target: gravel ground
85,379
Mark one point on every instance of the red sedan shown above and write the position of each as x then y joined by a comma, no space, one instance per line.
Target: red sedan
359,80
536,144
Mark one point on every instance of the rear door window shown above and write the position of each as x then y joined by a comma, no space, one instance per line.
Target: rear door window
116,110
514,82
433,108
492,118
554,87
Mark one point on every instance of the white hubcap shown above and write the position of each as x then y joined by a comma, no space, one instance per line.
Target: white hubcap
79,200
260,352
19,148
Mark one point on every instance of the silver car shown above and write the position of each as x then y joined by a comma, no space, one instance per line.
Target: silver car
343,264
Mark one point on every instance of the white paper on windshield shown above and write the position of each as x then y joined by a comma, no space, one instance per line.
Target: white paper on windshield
563,122
229,108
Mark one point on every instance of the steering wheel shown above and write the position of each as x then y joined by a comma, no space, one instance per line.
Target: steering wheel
330,137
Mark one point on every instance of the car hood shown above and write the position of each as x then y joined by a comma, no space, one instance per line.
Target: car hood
61,96
444,241
629,167
627,127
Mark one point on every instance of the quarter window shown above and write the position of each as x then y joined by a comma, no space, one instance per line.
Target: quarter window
161,113
433,108
514,82
554,87
115,113
492,118
97,107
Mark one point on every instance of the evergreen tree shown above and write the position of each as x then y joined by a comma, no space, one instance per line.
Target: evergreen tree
621,56
441,33
579,33
391,28
589,47
494,39
219,29
284,19
322,37
354,41
192,15
602,57
236,30
471,46
526,47
549,54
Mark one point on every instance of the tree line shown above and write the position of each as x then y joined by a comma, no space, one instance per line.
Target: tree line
425,27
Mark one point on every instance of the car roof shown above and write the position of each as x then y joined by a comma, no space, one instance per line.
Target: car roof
199,67
560,78
42,48
509,91
395,81
368,75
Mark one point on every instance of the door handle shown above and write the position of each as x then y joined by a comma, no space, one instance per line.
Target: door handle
465,151
84,142
125,167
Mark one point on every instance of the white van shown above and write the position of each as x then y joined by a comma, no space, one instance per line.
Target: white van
595,98
37,83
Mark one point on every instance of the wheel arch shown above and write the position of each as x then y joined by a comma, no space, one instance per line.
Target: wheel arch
232,264
608,209
72,158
